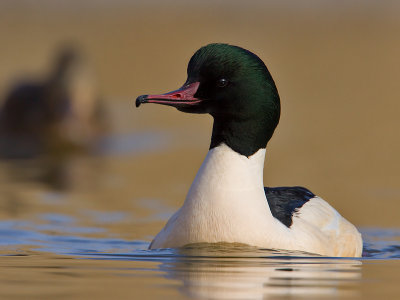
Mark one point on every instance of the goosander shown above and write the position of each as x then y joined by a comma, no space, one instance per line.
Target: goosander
59,114
227,202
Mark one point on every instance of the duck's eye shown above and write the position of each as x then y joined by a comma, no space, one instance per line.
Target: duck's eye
222,83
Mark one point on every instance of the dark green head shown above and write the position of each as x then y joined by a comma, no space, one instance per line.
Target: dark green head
235,87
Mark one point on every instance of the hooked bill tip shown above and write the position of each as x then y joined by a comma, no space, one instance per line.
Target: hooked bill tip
141,99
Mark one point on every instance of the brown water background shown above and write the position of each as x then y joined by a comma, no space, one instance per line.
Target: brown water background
337,69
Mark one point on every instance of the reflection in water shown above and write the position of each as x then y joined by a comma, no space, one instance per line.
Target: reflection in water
222,271
382,244
211,272
65,172
257,274
59,173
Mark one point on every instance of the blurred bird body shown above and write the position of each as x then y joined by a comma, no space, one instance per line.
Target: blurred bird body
58,114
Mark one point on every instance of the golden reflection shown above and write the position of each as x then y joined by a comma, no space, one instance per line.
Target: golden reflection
236,271
250,278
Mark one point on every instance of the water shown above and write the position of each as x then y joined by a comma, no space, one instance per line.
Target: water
67,259
72,240
78,227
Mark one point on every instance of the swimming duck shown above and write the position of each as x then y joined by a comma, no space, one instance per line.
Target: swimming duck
59,114
227,202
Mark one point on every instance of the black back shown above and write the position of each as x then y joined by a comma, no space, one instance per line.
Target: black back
285,201
23,109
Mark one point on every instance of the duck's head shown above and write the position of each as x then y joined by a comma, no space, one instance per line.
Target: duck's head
235,87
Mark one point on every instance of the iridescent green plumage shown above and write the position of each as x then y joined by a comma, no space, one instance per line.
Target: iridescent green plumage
246,111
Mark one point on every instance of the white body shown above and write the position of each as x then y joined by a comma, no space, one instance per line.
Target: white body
227,203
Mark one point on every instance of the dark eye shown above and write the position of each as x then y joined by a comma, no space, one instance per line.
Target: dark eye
222,83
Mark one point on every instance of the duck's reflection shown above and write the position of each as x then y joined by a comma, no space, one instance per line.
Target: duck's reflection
259,274
61,173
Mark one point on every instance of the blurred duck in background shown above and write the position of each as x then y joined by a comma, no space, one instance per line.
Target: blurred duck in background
62,114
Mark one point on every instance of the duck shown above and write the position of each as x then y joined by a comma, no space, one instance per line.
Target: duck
60,114
227,201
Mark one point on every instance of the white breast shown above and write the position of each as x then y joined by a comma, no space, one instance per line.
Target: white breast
227,203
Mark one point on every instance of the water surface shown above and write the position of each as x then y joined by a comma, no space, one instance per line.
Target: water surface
79,226
67,241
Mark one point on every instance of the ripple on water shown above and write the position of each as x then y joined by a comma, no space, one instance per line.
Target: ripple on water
381,243
204,271
57,228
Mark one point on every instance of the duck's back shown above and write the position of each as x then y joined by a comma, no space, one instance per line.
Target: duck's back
314,220
285,201
22,110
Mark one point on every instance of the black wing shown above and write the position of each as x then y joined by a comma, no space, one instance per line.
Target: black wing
285,201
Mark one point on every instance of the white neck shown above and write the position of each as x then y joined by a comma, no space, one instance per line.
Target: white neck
228,181
226,202
225,169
